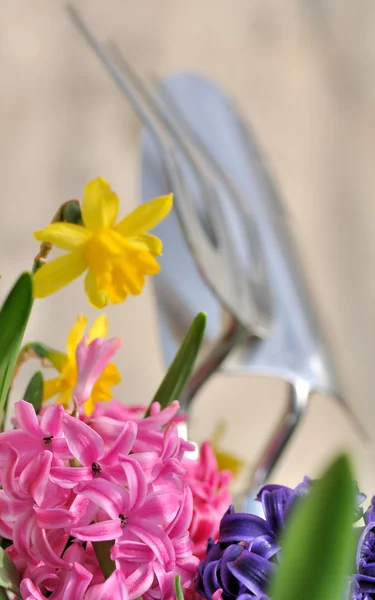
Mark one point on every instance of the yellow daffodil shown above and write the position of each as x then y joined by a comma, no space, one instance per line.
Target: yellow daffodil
225,460
116,257
62,386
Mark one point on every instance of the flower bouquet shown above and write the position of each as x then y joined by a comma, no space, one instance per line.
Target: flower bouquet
102,501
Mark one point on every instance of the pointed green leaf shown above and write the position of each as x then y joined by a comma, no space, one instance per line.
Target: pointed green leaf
318,548
9,576
34,391
178,588
14,316
56,358
182,366
36,347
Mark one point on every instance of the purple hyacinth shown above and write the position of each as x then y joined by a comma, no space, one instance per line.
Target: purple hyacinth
364,580
246,552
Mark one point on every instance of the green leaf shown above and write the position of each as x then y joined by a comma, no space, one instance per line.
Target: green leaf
36,347
178,588
56,358
182,366
102,551
318,547
34,391
14,316
9,576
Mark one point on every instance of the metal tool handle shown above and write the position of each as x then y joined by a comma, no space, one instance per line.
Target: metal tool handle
299,393
232,336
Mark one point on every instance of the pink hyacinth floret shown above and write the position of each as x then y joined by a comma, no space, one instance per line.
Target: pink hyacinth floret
92,359
68,485
211,497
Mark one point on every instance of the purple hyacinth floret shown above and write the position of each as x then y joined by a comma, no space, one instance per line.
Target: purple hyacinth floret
246,553
364,580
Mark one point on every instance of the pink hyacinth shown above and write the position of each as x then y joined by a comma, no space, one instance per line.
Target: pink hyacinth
211,497
108,420
67,484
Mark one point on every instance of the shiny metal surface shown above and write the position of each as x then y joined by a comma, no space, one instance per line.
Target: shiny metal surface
296,349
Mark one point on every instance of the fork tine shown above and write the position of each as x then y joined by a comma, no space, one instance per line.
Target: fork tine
184,139
179,137
135,99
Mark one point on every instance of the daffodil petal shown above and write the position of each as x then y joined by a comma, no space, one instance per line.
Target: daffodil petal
74,337
58,273
66,236
149,264
97,298
99,328
99,205
89,406
51,387
147,242
145,217
109,378
65,397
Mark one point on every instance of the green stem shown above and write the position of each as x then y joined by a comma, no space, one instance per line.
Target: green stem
102,551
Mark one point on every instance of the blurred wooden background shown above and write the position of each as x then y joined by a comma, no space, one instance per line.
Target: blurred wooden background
303,73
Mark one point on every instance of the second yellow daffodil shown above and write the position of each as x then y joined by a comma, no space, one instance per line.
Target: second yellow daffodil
62,386
116,257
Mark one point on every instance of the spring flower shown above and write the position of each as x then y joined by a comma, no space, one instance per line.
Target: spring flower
72,585
364,579
65,488
247,551
210,494
88,448
240,563
116,257
34,435
114,587
92,360
66,364
108,420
